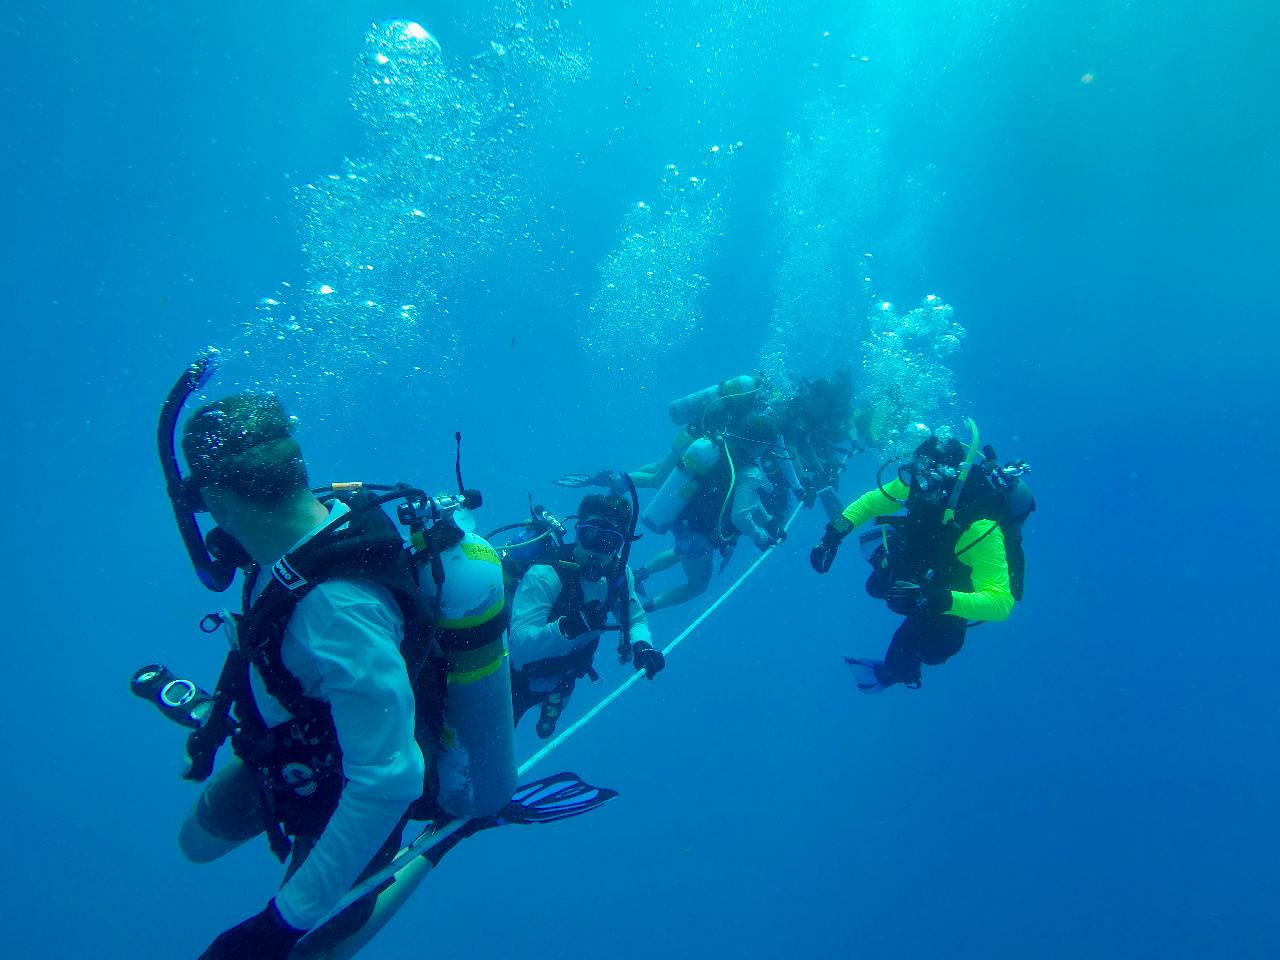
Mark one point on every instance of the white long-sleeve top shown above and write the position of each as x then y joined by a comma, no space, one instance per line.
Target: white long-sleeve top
748,513
342,643
535,637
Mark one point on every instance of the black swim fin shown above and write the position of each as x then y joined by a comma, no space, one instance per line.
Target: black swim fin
869,674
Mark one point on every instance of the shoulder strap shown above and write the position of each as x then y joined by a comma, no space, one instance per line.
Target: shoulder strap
363,544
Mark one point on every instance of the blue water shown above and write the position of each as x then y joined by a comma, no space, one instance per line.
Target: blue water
1096,777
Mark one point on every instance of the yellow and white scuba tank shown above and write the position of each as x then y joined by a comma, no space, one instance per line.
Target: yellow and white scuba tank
681,486
693,407
476,756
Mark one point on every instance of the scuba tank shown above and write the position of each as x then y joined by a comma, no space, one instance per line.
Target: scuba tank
681,486
460,583
693,408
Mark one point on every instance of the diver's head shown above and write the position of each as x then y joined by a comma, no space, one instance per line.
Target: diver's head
827,402
941,451
242,457
932,470
603,523
754,437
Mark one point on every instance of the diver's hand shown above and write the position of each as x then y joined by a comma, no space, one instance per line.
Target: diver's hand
644,657
824,554
906,599
574,625
776,533
264,936
809,493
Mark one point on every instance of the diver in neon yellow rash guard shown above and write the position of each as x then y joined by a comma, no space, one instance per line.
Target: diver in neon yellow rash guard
955,557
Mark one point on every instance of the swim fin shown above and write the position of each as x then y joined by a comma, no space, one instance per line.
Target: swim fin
553,798
868,674
605,478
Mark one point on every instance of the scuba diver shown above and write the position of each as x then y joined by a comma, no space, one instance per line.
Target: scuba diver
955,559
563,605
367,681
822,428
718,479
717,408
698,485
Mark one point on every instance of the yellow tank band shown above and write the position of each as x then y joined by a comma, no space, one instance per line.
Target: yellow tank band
475,665
346,486
479,550
462,623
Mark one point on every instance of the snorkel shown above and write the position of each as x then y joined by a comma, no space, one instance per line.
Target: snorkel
969,459
216,573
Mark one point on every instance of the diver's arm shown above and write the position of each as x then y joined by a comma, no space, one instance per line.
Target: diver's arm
532,637
873,503
654,474
342,644
981,548
747,511
639,619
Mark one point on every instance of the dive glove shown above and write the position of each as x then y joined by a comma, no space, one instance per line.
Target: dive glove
573,625
824,554
644,657
906,599
809,495
264,936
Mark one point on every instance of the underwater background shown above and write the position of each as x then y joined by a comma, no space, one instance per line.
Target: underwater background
539,234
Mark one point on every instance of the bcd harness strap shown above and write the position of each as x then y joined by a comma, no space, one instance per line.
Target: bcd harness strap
360,544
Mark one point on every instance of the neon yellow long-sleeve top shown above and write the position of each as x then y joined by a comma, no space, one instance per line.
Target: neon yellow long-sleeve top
980,548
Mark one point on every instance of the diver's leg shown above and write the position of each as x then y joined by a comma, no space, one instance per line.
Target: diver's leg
523,696
902,660
663,561
697,571
228,812
927,638
349,925
390,900
943,641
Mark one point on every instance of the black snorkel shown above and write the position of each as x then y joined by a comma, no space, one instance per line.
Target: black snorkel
216,573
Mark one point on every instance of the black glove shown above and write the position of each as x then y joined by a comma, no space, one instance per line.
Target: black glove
574,625
824,554
810,494
645,658
264,936
906,599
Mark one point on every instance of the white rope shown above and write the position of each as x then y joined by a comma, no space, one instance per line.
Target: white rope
631,681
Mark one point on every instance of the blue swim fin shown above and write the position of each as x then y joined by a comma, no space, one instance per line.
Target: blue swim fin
553,798
867,673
